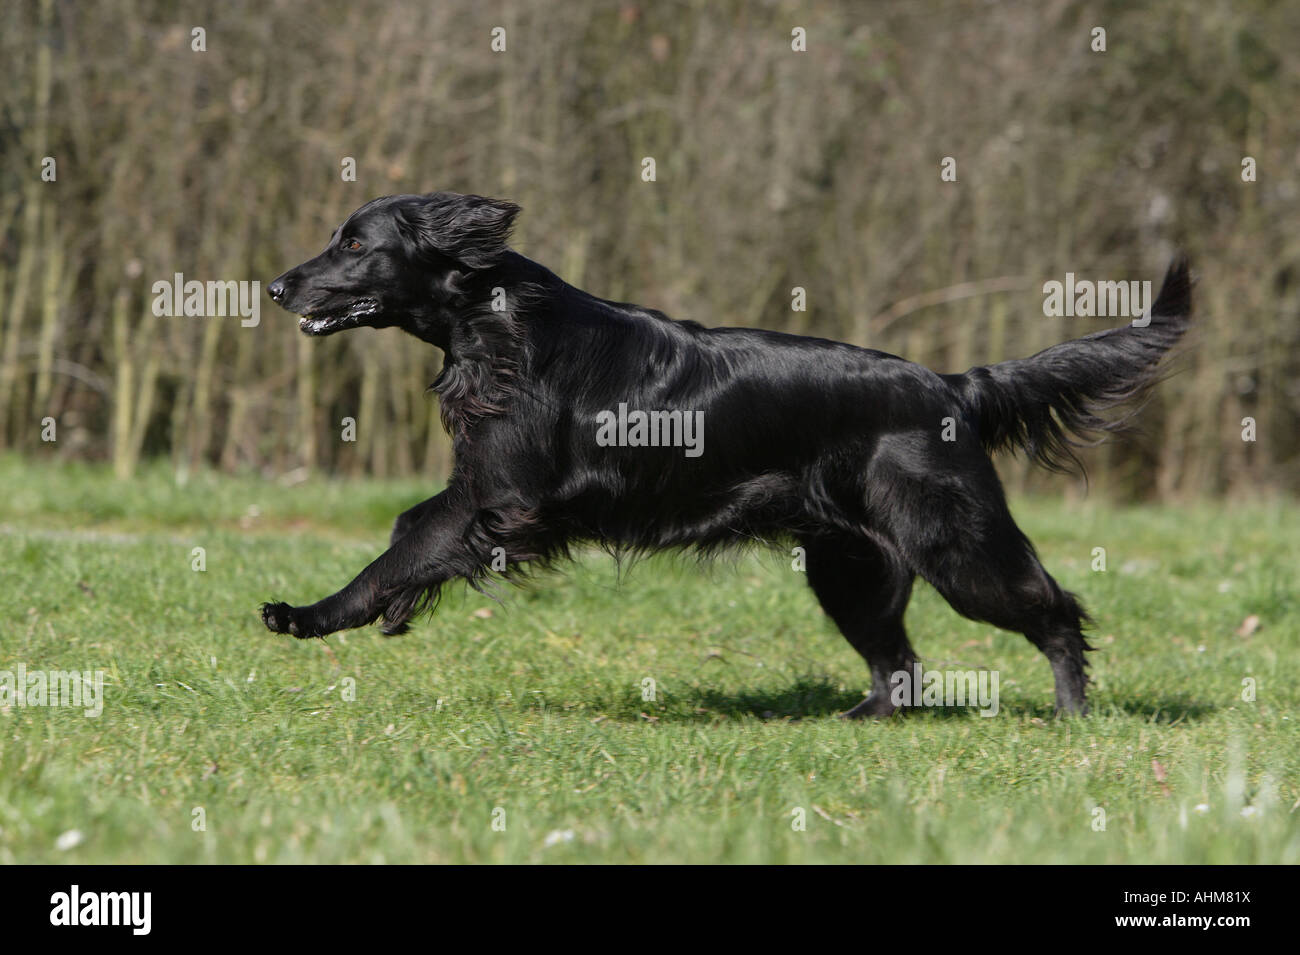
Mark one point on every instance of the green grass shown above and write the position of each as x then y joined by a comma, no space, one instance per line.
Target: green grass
534,707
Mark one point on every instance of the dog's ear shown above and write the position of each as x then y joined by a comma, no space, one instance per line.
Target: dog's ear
472,230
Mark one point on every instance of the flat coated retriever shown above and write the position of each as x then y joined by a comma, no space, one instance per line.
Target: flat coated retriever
578,419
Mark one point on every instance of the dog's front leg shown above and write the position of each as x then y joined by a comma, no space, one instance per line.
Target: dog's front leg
432,550
409,519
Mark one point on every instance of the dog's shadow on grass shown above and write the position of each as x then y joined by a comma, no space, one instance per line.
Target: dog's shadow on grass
812,698
803,698
1167,710
806,698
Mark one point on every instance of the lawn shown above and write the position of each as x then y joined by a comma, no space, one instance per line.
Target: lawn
518,731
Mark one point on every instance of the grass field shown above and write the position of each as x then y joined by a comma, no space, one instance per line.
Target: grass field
517,732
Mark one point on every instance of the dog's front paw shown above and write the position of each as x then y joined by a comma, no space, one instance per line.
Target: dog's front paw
281,618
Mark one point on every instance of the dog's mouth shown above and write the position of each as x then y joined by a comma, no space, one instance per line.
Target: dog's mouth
322,322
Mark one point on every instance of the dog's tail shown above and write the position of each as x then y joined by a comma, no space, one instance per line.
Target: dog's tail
1047,404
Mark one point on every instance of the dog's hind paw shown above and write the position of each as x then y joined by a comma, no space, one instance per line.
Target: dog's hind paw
873,707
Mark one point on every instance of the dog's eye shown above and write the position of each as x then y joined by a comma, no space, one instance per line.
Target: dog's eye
352,245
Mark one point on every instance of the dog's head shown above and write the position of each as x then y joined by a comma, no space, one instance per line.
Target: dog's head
394,260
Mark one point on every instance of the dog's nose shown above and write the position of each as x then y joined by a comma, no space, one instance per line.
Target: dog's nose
276,290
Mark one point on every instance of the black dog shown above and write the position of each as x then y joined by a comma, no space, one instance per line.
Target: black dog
578,419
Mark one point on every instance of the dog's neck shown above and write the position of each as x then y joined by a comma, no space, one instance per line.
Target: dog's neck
461,300
433,327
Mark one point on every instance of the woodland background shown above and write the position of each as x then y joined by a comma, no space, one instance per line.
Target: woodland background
775,169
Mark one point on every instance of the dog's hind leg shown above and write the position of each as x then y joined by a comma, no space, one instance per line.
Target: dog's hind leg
988,571
864,587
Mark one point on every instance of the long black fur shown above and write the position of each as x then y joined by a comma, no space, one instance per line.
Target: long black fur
836,449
